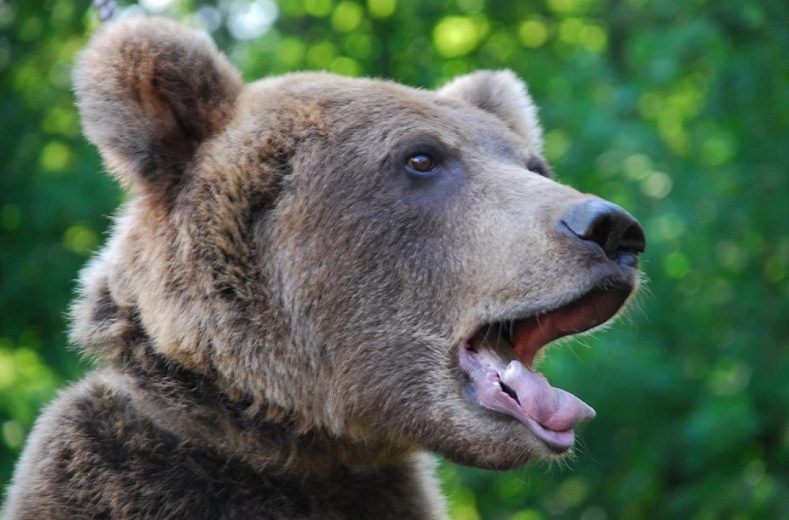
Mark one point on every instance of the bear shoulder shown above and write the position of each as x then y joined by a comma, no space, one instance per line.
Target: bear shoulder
97,451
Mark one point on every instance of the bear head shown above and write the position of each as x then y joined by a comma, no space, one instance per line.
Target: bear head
381,262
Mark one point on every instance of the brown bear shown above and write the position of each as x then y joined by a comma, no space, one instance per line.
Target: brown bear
315,281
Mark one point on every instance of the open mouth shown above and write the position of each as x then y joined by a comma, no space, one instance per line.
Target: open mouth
499,360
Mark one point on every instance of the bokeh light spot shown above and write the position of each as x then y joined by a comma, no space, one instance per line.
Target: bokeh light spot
731,255
321,55
775,268
569,6
7,372
61,120
347,16
13,434
345,66
55,157
381,8
676,265
290,52
464,504
528,514
666,227
80,239
717,150
728,377
455,36
533,32
637,166
556,144
318,8
656,185
754,472
249,20
156,6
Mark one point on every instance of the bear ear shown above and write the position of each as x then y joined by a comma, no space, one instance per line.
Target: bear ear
149,91
502,94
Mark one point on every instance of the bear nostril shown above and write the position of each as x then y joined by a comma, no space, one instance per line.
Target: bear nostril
605,224
633,238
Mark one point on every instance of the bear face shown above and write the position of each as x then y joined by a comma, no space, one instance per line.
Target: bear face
349,251
314,279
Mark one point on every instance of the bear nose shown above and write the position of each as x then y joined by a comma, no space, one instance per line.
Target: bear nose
605,224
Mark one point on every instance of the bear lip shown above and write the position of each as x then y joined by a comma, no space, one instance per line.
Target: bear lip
499,360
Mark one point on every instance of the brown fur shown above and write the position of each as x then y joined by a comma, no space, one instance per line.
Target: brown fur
277,312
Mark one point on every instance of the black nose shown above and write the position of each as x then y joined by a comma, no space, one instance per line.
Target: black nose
604,224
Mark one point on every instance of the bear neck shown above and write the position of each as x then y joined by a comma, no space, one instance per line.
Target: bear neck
193,401
194,407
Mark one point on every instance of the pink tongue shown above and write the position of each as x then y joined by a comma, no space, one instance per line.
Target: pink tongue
552,408
549,413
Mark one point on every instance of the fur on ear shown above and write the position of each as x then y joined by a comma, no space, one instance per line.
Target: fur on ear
502,94
149,91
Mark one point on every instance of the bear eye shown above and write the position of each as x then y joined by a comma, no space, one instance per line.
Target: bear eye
420,164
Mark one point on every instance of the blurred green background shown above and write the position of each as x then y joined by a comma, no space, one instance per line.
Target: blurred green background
677,110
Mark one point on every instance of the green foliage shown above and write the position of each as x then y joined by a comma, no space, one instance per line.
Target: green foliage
678,111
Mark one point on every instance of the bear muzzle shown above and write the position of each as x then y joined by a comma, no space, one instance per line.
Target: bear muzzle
498,357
